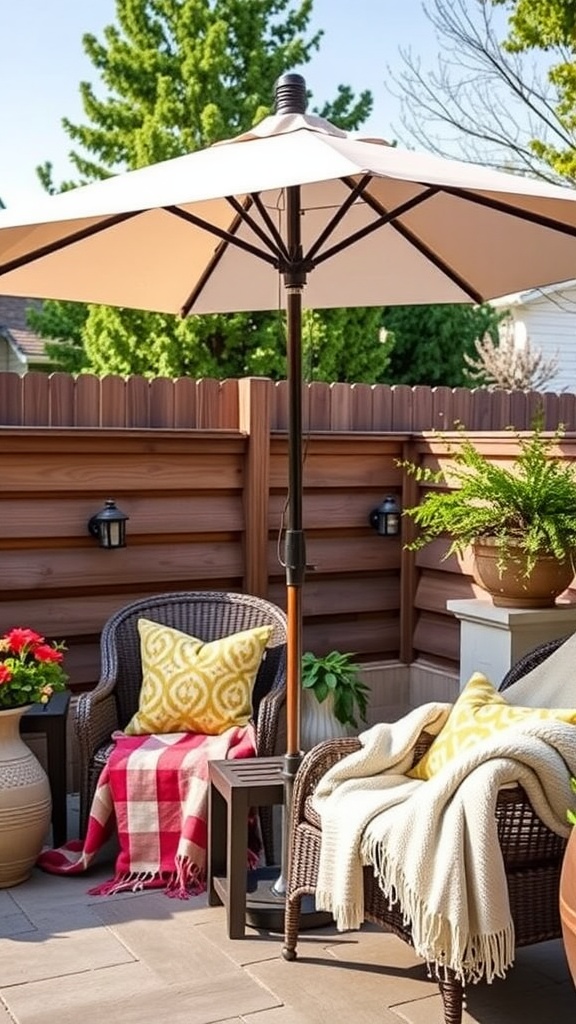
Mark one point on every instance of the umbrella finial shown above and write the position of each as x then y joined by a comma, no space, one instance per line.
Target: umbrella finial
290,94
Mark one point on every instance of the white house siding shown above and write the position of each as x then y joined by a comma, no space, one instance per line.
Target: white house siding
549,319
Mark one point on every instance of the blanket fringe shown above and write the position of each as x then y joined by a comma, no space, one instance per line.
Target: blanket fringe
188,879
185,881
348,917
442,945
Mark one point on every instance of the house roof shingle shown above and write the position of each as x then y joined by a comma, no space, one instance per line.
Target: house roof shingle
14,327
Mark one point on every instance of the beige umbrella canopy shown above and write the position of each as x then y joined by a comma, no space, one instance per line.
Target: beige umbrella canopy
379,225
294,212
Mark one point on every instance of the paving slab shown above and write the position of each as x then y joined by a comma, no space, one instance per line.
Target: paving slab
86,996
494,1004
132,994
5,1016
68,957
324,990
15,924
256,946
163,933
74,942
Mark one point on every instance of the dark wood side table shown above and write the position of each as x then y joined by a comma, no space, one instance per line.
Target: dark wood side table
235,787
50,719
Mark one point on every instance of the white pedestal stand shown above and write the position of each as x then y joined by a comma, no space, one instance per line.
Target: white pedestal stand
492,639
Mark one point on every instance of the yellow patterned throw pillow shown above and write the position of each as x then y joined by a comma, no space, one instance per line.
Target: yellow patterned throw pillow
479,712
192,686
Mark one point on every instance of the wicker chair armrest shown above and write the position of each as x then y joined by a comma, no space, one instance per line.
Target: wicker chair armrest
317,761
314,765
96,718
525,840
530,661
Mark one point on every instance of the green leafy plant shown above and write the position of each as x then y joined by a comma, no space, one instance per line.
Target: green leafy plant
30,669
337,674
530,507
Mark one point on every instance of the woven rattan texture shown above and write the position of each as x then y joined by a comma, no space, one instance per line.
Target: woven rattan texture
208,615
532,855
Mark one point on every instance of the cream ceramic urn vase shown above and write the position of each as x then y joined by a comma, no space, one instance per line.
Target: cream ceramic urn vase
318,721
25,802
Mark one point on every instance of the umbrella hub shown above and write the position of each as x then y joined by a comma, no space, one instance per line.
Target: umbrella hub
290,95
295,272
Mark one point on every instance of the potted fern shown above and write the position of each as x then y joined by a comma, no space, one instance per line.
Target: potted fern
334,697
520,522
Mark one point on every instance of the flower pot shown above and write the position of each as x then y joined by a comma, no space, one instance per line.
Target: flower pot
25,802
568,902
318,721
512,589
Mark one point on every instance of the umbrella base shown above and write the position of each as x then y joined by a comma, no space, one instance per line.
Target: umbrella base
265,909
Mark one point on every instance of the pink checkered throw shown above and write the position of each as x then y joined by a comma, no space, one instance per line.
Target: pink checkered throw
155,790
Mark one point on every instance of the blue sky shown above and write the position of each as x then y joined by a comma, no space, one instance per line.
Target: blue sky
43,63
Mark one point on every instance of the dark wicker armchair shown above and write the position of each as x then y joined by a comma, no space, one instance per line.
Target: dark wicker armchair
208,615
532,855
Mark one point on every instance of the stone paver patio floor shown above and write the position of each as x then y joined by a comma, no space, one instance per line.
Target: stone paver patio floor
70,958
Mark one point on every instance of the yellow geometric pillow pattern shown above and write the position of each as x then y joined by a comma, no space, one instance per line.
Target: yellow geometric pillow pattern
192,686
478,713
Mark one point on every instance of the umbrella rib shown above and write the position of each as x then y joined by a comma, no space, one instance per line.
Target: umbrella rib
503,207
275,243
413,239
357,190
383,218
226,236
61,243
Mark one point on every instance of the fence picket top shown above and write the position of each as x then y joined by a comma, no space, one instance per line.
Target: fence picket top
85,400
35,399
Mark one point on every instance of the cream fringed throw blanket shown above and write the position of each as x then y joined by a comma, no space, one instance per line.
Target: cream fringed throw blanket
433,845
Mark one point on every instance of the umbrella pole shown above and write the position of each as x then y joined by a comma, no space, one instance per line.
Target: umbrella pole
295,546
268,910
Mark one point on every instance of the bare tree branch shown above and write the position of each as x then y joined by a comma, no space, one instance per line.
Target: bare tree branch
481,103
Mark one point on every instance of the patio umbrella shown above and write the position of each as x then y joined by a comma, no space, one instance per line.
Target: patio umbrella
292,212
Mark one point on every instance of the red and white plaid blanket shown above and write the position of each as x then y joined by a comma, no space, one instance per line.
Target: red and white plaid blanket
155,790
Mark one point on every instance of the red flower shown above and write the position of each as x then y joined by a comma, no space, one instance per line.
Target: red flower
5,674
19,638
46,653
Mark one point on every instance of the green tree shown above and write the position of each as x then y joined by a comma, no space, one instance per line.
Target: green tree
180,75
429,342
550,25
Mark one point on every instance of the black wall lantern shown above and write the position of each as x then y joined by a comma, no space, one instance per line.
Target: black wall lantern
386,518
109,526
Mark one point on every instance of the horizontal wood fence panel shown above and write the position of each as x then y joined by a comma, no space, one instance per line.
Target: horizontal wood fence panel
68,516
89,472
61,617
329,596
344,508
437,636
335,555
58,569
435,589
126,442
201,468
435,556
82,663
365,637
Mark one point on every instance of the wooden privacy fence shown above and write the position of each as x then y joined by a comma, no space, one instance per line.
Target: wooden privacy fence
203,476
61,400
